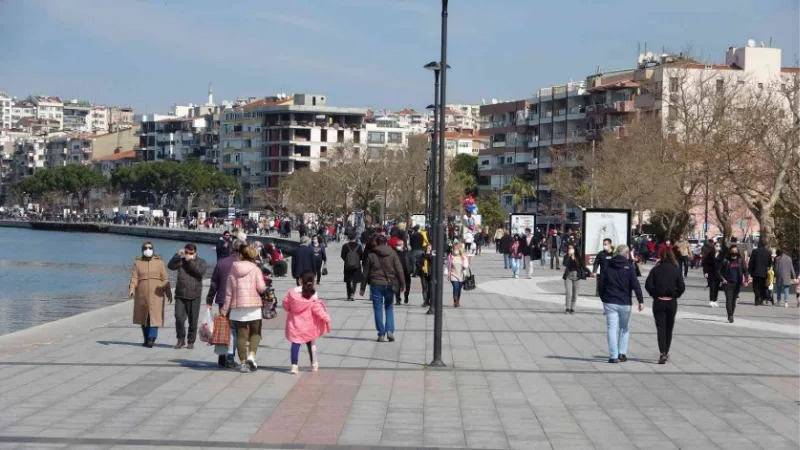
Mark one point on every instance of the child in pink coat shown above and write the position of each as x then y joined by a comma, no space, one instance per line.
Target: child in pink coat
306,320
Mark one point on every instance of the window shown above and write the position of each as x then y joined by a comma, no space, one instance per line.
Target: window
672,112
720,85
509,160
761,85
376,137
673,84
395,138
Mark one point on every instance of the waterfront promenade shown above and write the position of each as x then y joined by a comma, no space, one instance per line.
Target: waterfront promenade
520,374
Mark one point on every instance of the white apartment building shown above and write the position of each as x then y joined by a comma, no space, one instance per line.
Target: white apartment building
76,115
5,110
29,156
167,138
98,119
463,116
21,109
386,133
51,108
410,118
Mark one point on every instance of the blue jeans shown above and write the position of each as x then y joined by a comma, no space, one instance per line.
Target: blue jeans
457,285
617,318
506,261
149,332
515,266
382,298
782,290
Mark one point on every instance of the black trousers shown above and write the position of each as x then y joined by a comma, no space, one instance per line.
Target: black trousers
186,308
731,293
426,282
684,262
351,287
555,255
407,276
713,288
318,270
760,290
664,314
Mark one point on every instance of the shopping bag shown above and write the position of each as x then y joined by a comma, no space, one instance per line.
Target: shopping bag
206,326
469,281
222,331
324,271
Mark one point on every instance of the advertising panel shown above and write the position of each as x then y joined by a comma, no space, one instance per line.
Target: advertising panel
519,221
599,224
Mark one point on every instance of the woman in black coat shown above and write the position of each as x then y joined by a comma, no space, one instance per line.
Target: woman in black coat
665,284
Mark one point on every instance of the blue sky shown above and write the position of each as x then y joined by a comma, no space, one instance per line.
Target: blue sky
151,54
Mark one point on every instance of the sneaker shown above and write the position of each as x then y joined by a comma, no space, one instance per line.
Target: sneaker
231,364
623,358
516,276
150,343
613,361
244,369
390,337
571,311
294,370
662,359
566,311
251,363
315,366
712,304
786,304
381,338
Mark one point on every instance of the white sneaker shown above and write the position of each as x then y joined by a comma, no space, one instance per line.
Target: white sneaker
295,370
712,304
516,276
251,363
314,366
785,304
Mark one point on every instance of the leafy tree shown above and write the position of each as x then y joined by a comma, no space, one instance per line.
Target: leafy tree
491,212
468,166
519,190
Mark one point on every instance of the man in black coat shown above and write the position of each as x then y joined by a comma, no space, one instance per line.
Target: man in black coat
302,259
760,262
601,259
505,249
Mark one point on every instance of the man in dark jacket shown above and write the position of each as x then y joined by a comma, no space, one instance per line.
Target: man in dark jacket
505,249
224,245
303,259
188,290
554,244
760,262
216,294
619,281
383,272
600,261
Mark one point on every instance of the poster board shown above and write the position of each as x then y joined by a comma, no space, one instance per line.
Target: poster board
599,224
519,221
418,219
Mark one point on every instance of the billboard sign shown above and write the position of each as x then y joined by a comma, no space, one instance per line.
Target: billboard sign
600,224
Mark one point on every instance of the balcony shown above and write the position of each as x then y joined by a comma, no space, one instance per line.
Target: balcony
533,142
534,164
497,144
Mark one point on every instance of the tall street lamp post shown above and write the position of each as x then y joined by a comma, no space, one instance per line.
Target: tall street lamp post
385,196
440,222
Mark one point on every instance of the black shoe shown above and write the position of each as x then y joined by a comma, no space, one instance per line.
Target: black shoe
221,360
429,312
662,359
571,311
730,319
613,361
566,311
623,358
426,304
381,338
390,337
406,301
230,364
397,302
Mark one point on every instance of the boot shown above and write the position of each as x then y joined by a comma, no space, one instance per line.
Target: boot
181,343
455,302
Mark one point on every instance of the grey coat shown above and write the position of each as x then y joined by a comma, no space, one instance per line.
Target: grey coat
190,276
784,271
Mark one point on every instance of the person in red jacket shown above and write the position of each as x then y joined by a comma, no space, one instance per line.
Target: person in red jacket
662,249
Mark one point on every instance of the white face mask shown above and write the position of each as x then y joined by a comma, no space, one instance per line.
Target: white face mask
717,248
667,242
606,248
399,248
148,253
571,251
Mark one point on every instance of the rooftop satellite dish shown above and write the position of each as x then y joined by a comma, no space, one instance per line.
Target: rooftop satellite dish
751,43
641,59
494,101
650,57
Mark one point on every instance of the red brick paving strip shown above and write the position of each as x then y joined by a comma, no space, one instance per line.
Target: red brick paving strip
314,411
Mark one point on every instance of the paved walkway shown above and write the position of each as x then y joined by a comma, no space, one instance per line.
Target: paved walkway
520,374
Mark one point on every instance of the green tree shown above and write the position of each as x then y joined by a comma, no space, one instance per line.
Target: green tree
519,190
491,212
71,180
465,166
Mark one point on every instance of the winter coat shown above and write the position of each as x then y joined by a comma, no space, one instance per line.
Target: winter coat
684,248
619,281
734,271
760,262
223,248
150,285
505,245
712,264
352,274
383,268
320,255
516,250
216,292
190,276
244,287
665,280
306,318
302,261
784,270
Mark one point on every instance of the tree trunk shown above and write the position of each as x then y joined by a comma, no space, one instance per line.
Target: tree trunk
766,224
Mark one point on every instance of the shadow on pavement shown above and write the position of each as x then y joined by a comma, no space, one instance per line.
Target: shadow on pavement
602,358
133,344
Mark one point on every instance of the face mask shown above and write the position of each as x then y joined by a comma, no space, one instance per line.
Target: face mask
571,251
667,242
606,248
717,248
148,253
734,255
399,248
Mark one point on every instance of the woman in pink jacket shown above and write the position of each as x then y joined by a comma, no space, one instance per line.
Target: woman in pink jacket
306,319
243,300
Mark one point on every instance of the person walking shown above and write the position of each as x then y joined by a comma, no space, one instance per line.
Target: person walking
619,282
243,290
352,254
320,256
543,250
528,245
505,249
498,234
480,236
216,294
600,261
684,253
712,263
574,271
458,263
784,275
191,269
303,259
555,250
733,273
383,272
224,245
665,285
760,262
306,320
148,287
405,261
516,256
424,262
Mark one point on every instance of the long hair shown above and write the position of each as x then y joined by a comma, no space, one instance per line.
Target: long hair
307,282
669,255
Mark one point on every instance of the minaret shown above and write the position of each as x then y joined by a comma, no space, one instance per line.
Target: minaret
210,95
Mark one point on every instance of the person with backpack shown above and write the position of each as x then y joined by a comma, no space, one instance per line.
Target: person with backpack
352,254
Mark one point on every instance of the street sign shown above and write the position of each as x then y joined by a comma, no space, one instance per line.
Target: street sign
706,226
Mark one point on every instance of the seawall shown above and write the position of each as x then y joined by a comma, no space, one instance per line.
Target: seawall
287,246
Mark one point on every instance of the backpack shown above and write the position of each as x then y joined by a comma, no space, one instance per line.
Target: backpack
351,259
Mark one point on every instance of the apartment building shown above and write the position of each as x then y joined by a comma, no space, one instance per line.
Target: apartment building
98,119
300,130
120,158
167,138
29,156
386,132
470,114
5,110
410,118
51,108
120,115
21,109
76,115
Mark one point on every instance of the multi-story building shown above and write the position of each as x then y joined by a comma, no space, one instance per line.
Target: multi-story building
51,108
299,131
120,158
386,133
21,109
471,114
76,114
167,138
29,156
409,118
98,119
5,110
82,148
120,115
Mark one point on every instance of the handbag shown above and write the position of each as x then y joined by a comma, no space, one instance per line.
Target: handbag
221,334
793,282
469,281
269,304
324,270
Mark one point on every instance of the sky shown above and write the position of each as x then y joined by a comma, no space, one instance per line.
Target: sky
151,54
